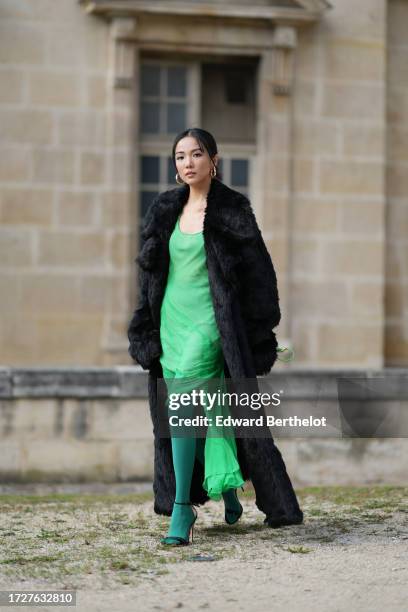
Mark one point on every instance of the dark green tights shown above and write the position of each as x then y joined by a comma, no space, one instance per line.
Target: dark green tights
185,449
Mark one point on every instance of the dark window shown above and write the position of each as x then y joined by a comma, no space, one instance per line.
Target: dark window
150,170
239,172
163,98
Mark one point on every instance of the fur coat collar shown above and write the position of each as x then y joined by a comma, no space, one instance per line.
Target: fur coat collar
228,212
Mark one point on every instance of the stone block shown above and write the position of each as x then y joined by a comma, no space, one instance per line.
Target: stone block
15,164
33,419
353,101
304,341
359,177
15,345
136,460
360,60
353,258
304,170
10,292
69,248
275,214
26,126
307,58
16,247
366,23
317,300
43,292
92,168
305,97
363,218
68,340
315,215
55,89
77,208
21,43
11,86
26,206
53,166
121,168
363,140
306,257
121,420
119,249
123,129
367,299
10,459
313,137
350,344
84,128
117,208
72,460
96,91
94,293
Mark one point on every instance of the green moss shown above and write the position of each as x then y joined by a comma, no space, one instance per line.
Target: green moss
298,549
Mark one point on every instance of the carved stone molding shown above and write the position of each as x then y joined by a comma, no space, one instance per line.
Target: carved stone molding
284,41
302,11
122,31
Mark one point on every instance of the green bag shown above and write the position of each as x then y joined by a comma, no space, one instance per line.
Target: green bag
291,355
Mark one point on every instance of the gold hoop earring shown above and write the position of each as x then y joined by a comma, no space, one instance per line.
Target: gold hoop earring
213,172
180,182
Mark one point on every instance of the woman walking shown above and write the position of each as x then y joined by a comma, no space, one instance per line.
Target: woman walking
208,304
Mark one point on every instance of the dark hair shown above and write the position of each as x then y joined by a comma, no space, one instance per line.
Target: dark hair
205,140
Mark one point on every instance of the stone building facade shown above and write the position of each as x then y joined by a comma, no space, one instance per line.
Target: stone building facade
309,104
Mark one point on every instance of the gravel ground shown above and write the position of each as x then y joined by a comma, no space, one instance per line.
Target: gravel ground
351,553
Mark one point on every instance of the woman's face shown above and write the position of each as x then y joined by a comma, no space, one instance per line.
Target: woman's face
193,164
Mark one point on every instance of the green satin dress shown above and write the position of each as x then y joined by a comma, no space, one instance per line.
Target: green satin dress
192,356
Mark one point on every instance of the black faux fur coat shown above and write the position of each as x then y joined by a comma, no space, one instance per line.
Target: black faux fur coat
246,305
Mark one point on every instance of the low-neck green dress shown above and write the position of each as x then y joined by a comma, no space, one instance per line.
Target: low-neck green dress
192,353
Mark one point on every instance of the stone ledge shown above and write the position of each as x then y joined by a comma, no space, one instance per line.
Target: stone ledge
90,382
303,11
132,382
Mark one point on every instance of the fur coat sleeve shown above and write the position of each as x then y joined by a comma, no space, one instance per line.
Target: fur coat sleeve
144,337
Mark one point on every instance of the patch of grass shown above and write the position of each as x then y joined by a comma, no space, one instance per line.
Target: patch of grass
298,549
26,560
317,512
77,499
376,517
53,536
350,496
76,540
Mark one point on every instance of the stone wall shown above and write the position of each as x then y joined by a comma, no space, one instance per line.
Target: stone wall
337,242
64,189
329,190
94,424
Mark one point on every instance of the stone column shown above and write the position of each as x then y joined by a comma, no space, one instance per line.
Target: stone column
275,165
122,176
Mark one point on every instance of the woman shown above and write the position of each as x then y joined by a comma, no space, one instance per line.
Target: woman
208,304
